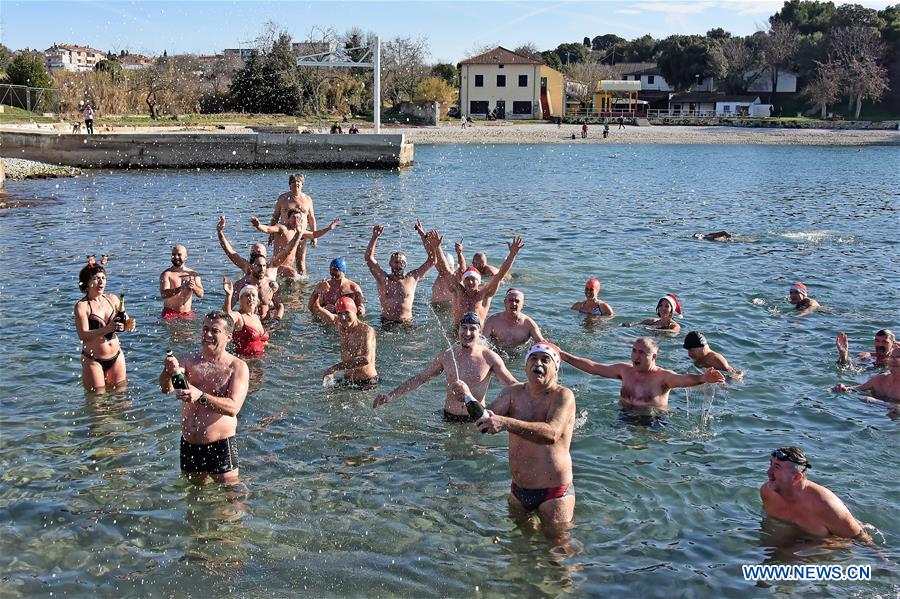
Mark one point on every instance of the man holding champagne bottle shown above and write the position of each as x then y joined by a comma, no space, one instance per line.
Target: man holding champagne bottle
212,386
178,285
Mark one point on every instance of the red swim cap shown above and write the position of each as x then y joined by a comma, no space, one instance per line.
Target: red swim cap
345,304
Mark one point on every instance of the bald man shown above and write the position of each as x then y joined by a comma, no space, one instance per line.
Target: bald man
178,285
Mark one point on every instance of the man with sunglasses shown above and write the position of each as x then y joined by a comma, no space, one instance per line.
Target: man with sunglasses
789,496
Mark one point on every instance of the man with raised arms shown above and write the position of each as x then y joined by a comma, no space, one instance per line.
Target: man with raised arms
295,200
470,361
540,418
881,388
178,285
789,496
469,295
645,385
885,343
339,286
285,238
256,249
397,290
217,388
357,341
270,306
511,328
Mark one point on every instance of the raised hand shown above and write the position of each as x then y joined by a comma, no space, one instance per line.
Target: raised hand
227,286
220,226
458,246
843,345
516,245
419,229
254,221
377,231
334,223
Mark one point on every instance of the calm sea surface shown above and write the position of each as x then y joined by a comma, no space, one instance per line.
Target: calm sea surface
347,501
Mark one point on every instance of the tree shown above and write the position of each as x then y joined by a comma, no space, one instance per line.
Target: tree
447,72
685,58
435,89
109,66
6,57
742,58
403,67
641,49
551,59
602,43
848,15
779,48
857,50
588,73
718,34
27,69
586,42
805,16
823,88
269,82
571,53
530,50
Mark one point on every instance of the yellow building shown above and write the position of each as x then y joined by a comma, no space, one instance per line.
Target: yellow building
509,85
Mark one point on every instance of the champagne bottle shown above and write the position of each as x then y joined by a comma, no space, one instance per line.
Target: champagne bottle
121,315
474,407
179,381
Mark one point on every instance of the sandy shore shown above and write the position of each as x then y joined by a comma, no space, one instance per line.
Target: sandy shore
505,133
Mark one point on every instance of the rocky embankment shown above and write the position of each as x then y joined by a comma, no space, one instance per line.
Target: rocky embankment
18,169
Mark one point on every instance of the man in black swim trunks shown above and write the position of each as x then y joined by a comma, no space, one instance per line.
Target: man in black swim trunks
470,361
540,418
217,388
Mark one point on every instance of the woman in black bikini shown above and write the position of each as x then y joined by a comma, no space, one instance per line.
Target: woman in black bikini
102,361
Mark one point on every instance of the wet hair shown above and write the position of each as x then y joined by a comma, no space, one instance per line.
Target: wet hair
797,457
470,318
651,343
694,339
295,177
222,315
889,334
87,273
247,289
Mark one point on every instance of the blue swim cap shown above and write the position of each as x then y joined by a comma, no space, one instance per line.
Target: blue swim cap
340,264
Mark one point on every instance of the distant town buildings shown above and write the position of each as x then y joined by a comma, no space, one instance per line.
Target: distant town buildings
503,84
243,53
69,57
136,62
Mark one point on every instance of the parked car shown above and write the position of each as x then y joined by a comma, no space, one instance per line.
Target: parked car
453,112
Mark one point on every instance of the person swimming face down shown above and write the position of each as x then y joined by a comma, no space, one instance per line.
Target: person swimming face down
695,344
471,279
469,329
398,264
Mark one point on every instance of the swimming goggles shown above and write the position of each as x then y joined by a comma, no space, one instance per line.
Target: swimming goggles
784,457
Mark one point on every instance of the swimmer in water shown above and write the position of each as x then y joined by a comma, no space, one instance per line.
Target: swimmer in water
698,350
882,388
717,236
178,285
295,200
339,286
667,308
256,249
444,284
798,295
885,343
511,328
645,385
471,360
284,235
357,341
469,295
397,290
592,304
790,497
479,261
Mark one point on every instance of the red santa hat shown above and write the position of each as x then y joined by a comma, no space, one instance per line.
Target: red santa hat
673,301
801,289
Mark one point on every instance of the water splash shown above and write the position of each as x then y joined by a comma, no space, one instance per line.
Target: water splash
447,339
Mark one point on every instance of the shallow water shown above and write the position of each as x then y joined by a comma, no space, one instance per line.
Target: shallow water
348,501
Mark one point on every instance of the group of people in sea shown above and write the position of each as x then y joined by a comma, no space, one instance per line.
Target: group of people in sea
538,413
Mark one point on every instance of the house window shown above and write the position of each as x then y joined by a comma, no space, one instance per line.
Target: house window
523,80
523,108
479,107
501,80
726,108
650,79
501,66
479,80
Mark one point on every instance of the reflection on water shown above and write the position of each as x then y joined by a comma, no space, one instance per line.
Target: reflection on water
348,501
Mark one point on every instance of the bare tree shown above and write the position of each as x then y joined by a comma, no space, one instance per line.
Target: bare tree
857,51
743,60
528,49
779,47
403,67
590,74
823,88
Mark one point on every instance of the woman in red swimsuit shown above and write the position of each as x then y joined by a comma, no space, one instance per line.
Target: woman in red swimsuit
102,361
249,336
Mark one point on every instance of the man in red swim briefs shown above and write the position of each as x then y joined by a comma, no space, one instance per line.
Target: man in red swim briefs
178,285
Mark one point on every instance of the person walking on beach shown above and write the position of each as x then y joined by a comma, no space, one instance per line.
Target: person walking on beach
790,497
357,341
885,343
667,308
397,290
339,286
592,303
178,285
645,385
798,295
468,295
621,122
539,416
285,235
217,387
698,350
511,328
470,361
584,130
295,199
88,118
605,131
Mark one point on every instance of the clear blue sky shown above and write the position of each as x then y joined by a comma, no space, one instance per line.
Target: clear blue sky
452,29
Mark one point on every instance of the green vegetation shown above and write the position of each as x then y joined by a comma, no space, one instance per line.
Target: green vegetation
11,115
28,69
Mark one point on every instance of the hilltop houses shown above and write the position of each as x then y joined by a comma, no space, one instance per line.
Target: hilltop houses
503,84
69,57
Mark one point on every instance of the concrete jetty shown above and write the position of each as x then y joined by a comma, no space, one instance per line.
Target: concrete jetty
207,150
